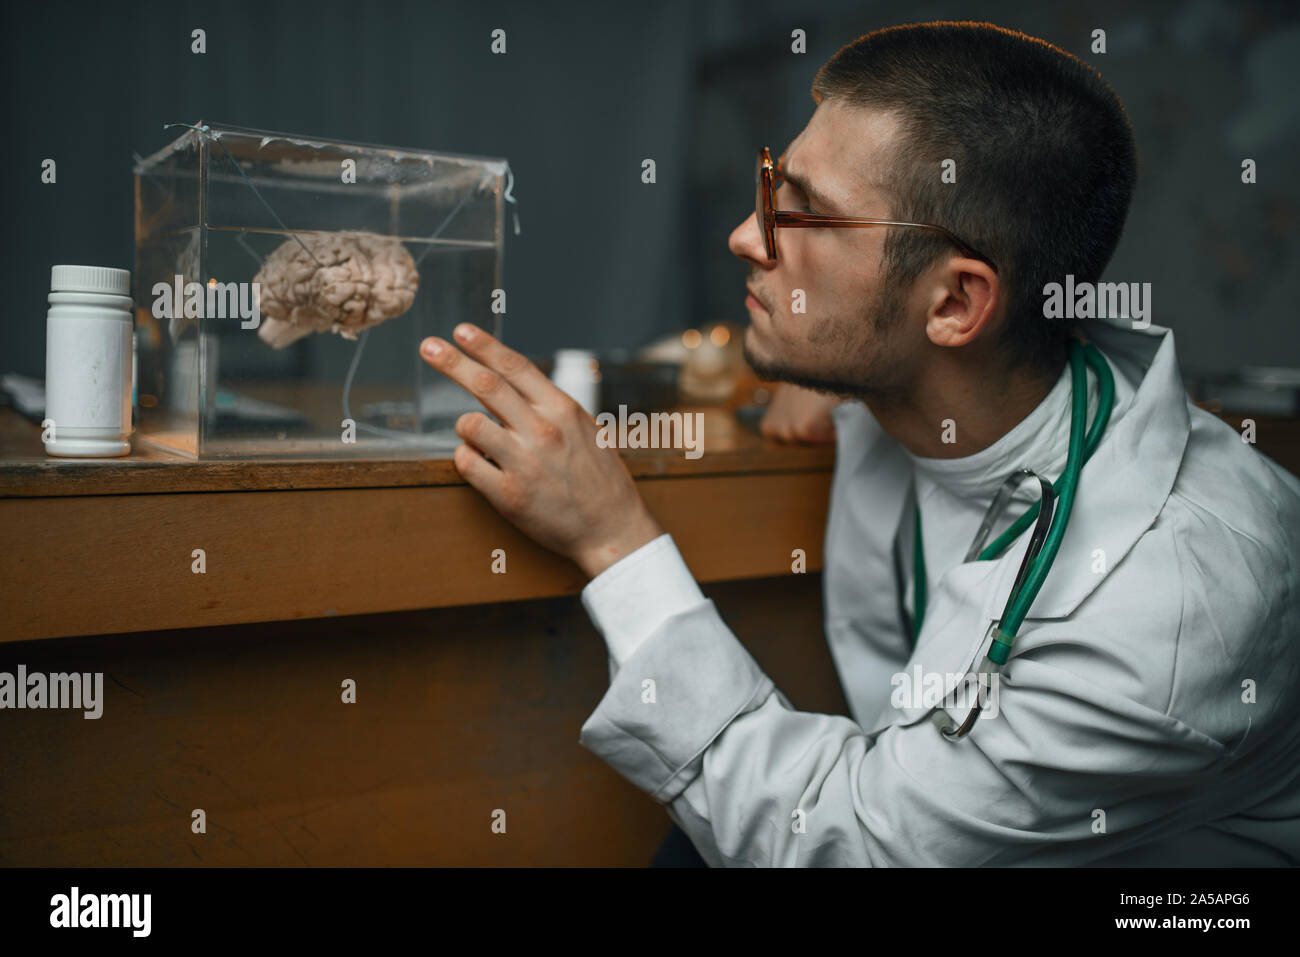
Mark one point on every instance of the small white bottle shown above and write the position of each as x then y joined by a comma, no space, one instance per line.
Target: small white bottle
576,373
88,362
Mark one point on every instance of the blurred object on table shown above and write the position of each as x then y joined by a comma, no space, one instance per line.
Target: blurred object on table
1254,389
711,362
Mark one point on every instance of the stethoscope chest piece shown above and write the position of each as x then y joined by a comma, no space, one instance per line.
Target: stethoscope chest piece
977,688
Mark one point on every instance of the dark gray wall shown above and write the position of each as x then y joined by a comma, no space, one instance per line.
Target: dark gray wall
587,90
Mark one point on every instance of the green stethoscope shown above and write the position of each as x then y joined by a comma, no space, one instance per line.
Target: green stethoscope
1048,530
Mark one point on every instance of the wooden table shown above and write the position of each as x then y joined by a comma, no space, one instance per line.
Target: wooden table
222,690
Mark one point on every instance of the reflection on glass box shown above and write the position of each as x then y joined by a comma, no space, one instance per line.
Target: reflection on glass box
284,283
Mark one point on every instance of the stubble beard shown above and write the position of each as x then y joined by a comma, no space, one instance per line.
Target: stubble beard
884,312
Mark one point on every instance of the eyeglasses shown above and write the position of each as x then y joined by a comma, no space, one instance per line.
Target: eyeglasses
769,217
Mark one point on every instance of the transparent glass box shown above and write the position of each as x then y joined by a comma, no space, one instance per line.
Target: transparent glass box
360,251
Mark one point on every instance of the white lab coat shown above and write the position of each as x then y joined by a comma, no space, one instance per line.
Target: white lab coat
1149,714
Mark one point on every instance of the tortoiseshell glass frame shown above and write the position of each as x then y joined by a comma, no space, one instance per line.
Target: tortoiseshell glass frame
769,217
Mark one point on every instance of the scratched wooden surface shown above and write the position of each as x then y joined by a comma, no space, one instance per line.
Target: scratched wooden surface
728,447
81,565
459,711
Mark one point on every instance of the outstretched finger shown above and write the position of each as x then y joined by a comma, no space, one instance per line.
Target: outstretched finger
527,379
497,394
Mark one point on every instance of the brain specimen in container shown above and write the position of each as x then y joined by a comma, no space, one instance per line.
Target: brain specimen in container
333,282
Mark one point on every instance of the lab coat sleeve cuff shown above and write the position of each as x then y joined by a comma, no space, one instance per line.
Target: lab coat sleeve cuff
628,600
678,692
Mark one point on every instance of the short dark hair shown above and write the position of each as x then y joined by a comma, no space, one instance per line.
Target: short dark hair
1045,159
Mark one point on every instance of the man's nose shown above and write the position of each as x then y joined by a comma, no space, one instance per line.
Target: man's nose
746,242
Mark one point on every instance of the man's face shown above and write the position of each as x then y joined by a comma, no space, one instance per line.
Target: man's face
850,337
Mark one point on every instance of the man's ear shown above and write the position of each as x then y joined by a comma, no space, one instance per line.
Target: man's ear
962,298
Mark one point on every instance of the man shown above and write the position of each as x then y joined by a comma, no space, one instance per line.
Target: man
1147,713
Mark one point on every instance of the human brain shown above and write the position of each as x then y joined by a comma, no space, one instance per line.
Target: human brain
342,282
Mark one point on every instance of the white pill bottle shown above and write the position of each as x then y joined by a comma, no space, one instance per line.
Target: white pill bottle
88,362
577,373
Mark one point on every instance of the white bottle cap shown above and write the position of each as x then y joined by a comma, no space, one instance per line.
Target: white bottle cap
103,279
575,358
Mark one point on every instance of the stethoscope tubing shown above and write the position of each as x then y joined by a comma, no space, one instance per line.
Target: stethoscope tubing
1022,598
1048,532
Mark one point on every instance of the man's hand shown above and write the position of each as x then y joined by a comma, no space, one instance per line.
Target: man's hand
800,415
546,475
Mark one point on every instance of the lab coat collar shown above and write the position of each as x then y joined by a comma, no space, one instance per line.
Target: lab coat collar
1123,487
1122,490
